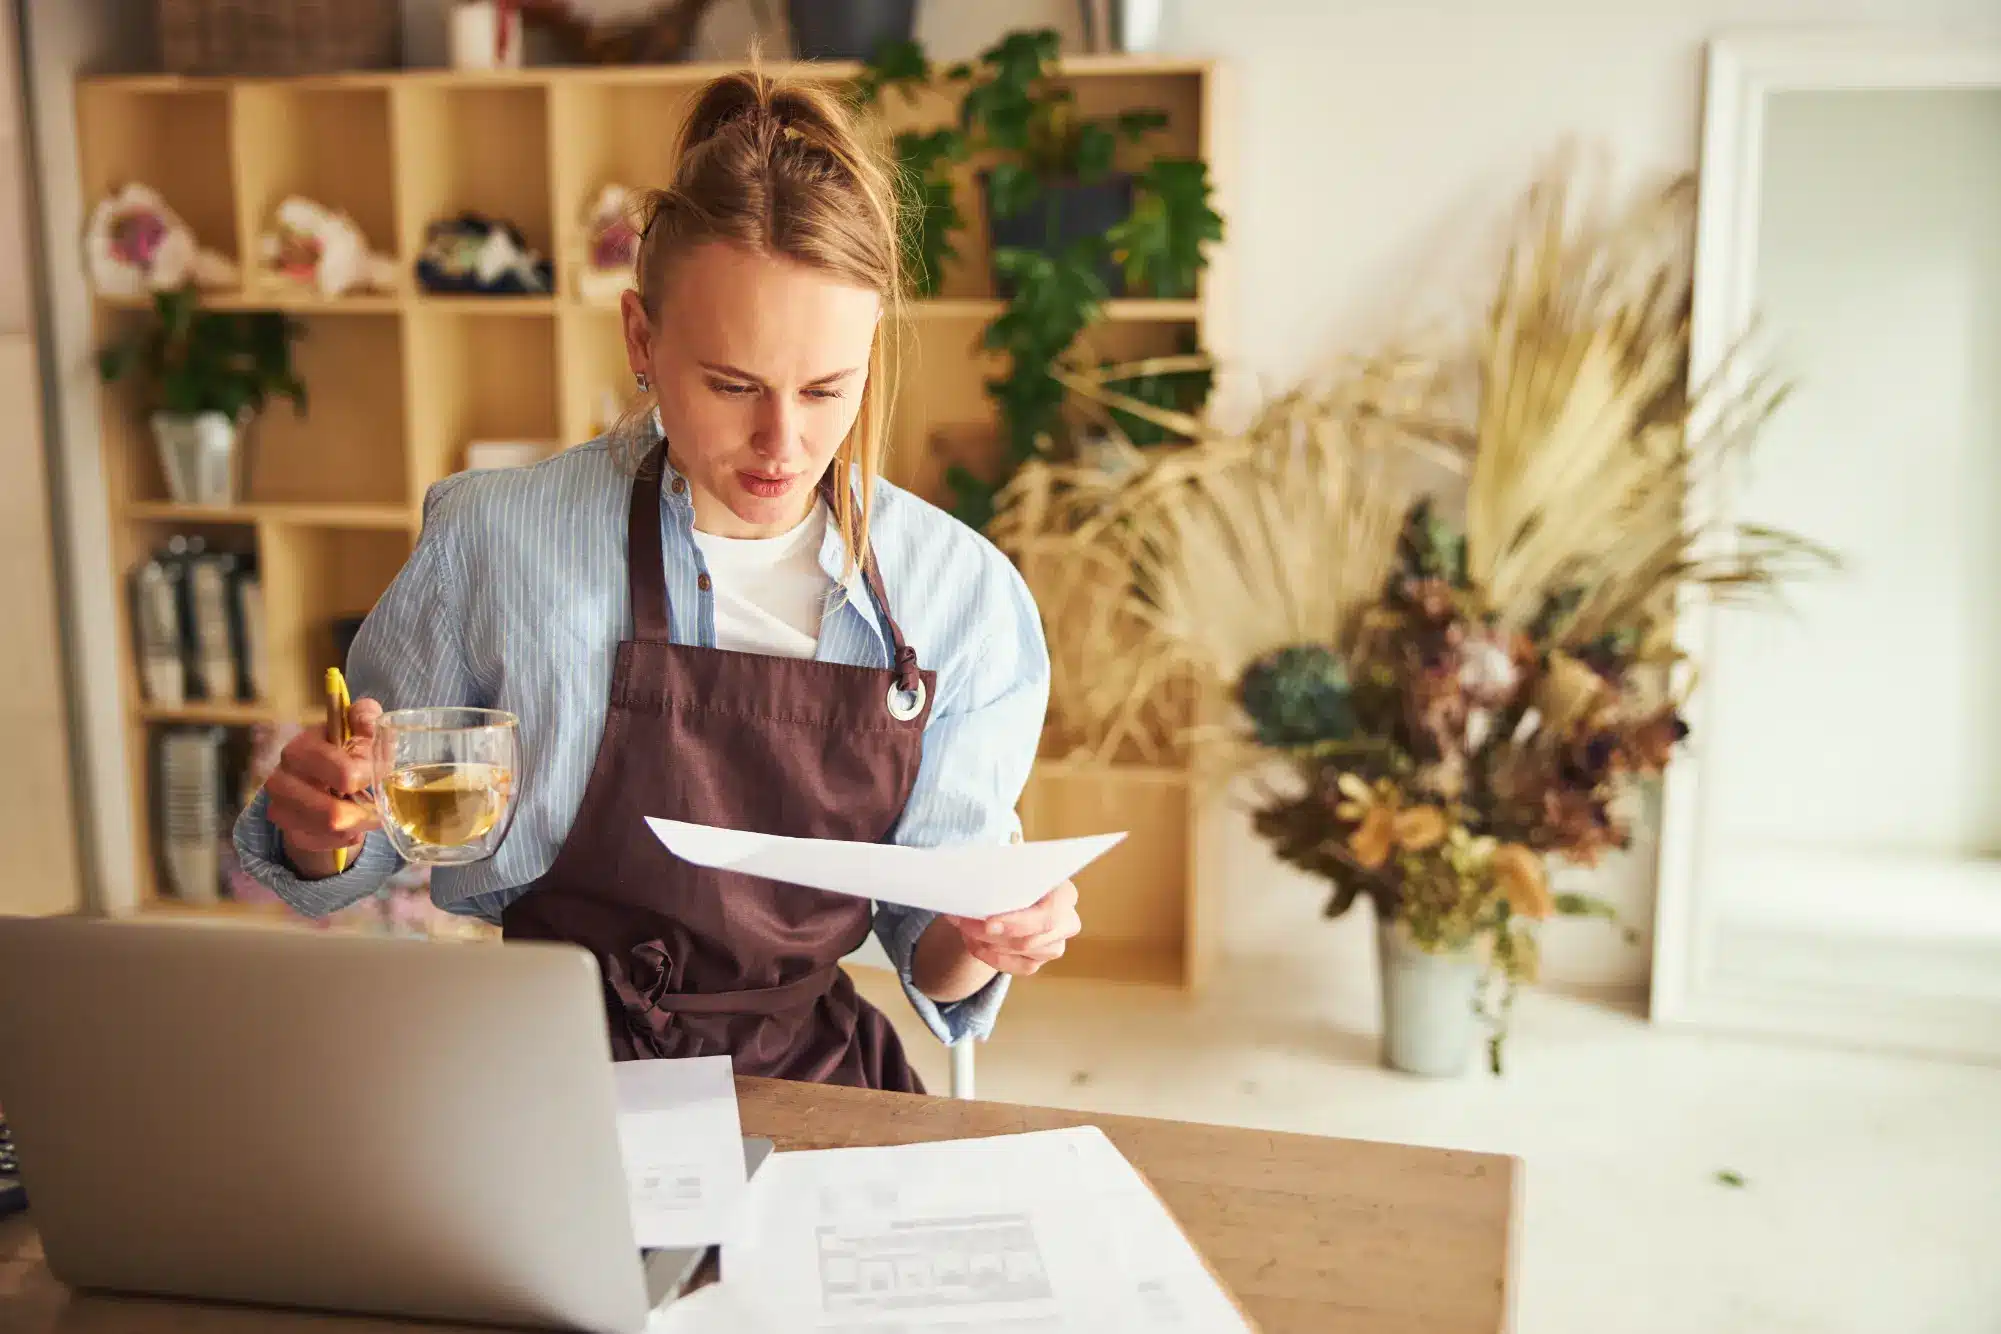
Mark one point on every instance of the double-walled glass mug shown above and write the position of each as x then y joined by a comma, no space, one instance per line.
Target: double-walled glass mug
444,782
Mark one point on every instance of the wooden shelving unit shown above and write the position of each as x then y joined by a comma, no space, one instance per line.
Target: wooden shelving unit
401,382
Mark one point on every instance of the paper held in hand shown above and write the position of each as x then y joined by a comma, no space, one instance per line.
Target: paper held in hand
964,879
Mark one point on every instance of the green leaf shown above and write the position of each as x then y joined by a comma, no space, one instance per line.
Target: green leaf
1734,1180
1161,245
1136,124
895,64
1010,189
1095,149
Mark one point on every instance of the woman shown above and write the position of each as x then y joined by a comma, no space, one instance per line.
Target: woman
717,613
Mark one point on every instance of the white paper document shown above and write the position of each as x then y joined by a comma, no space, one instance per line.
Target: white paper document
683,1149
963,879
1052,1232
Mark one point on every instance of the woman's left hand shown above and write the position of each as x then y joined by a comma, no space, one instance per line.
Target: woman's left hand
1022,941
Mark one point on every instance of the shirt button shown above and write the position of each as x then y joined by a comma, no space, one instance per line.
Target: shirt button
679,486
702,582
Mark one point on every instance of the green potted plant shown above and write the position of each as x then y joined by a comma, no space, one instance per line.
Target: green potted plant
206,376
1068,230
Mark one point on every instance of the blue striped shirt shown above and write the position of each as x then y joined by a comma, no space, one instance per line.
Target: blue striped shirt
516,598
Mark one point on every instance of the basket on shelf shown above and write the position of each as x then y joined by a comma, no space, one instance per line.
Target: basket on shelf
279,36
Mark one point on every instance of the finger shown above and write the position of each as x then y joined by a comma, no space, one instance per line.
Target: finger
301,809
1035,944
315,760
1015,964
362,716
1041,915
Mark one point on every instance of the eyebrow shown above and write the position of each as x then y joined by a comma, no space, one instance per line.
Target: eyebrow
738,373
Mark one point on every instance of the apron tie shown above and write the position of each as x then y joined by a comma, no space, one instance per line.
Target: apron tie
907,678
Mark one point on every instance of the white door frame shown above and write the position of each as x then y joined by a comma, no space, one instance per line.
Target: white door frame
1691,984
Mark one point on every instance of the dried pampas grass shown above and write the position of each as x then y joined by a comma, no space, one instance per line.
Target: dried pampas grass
1587,437
1159,586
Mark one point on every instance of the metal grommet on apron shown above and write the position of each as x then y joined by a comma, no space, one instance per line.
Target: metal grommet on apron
700,962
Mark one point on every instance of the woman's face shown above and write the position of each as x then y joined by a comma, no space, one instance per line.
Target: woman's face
759,364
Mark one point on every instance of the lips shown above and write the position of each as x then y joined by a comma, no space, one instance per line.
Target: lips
764,487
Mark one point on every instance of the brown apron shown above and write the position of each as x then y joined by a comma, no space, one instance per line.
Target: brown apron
699,962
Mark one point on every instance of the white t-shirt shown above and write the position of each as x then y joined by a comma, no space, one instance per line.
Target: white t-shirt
769,591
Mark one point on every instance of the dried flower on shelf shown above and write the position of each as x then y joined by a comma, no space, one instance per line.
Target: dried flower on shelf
135,244
310,245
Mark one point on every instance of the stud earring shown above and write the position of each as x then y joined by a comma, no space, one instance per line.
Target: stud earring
644,385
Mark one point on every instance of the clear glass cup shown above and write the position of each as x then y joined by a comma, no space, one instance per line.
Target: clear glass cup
444,782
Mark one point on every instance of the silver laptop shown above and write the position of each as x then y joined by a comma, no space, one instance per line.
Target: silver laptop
324,1121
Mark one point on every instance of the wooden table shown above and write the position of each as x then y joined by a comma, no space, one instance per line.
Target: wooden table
1312,1235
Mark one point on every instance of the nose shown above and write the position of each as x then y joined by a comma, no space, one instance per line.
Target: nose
777,425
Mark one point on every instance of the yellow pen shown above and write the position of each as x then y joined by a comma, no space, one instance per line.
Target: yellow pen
337,733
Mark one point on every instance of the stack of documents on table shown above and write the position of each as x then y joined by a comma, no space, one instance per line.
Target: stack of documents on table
1051,1232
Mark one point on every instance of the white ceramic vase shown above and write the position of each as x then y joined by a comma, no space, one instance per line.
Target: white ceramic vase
199,456
1430,1023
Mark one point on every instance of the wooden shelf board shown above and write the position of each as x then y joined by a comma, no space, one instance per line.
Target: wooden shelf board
230,713
486,305
297,303
683,75
303,515
1122,310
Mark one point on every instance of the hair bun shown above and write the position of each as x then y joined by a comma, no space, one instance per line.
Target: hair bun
741,96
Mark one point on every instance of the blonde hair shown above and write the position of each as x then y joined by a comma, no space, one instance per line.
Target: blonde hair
783,169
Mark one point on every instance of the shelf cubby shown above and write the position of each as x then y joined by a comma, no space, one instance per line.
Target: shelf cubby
347,449
473,148
327,142
484,377
176,142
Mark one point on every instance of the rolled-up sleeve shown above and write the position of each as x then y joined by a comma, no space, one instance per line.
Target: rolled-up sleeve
410,651
979,747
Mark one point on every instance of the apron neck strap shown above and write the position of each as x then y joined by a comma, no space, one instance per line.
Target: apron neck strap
903,658
645,563
646,567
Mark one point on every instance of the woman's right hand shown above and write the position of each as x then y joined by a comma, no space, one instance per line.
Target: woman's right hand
313,792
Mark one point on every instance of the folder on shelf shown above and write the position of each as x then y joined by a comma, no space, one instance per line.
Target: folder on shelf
246,625
157,632
212,660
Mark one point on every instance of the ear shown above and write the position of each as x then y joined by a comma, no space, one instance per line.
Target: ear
638,333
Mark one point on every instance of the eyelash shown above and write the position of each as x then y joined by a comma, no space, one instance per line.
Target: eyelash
729,390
